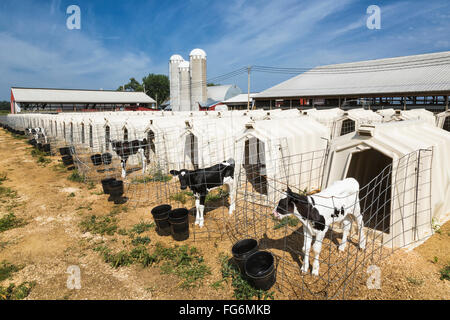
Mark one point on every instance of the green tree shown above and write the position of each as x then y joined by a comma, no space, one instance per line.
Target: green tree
5,107
157,86
211,84
133,85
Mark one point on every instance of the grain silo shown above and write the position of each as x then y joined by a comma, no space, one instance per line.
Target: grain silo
185,86
198,77
174,62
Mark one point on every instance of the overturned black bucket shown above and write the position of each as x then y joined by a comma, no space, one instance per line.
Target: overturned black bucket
67,160
106,158
46,148
260,270
116,191
106,183
64,151
39,146
161,217
179,224
242,250
96,159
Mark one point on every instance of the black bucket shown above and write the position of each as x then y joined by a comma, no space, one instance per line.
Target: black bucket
179,224
64,151
67,160
107,158
161,217
96,159
260,270
116,191
46,148
39,146
106,183
242,250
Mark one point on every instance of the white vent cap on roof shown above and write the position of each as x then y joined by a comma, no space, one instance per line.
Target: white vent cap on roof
198,52
176,58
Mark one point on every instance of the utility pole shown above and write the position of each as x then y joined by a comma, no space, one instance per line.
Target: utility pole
249,69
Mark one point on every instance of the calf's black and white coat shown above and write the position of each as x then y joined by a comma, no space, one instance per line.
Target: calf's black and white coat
337,203
125,149
202,181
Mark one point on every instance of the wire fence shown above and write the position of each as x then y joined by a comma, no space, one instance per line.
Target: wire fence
395,207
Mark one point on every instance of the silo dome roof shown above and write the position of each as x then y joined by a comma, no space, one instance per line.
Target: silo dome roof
184,64
176,57
198,52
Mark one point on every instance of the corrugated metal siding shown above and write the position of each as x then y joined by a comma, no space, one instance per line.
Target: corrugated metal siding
420,73
78,96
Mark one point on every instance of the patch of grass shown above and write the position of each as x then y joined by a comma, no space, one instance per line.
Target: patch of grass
414,281
290,221
10,221
16,293
7,269
140,241
184,262
157,177
436,226
8,193
59,168
182,197
445,273
99,225
71,195
76,177
142,227
43,160
215,196
242,289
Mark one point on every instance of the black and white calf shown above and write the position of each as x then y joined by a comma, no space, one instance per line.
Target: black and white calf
337,203
125,149
202,181
38,134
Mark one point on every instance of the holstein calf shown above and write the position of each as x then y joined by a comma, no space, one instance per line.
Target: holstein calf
125,149
338,203
202,181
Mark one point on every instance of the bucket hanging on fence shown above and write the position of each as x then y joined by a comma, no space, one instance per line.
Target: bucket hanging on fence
242,250
67,160
64,151
116,191
179,224
260,270
161,217
96,159
106,185
107,158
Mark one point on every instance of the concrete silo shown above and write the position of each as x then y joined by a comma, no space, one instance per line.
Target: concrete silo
185,86
174,62
198,77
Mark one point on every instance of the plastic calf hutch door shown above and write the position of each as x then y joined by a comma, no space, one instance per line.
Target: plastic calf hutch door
373,171
255,165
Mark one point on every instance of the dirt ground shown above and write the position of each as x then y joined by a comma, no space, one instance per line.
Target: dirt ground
52,241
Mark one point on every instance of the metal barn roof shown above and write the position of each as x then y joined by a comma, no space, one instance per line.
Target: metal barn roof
32,95
425,73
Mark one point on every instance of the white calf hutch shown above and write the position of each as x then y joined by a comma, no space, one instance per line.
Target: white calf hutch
404,164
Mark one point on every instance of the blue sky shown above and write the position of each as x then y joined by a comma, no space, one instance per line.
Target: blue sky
123,39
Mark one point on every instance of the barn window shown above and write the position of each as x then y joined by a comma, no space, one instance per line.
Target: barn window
71,133
91,137
446,124
151,141
107,137
348,126
56,129
125,134
64,129
82,133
